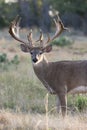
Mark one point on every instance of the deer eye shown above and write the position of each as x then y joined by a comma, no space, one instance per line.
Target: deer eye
40,52
31,52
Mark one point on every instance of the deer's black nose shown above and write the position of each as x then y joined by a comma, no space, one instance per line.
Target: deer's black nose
35,60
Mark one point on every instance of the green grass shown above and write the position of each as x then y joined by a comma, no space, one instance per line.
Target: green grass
21,89
77,103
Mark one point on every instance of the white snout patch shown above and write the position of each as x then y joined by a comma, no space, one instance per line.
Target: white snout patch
38,57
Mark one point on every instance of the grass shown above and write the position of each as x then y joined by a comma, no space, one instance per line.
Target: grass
21,90
20,121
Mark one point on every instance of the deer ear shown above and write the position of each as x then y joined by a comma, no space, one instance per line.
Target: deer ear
48,48
24,48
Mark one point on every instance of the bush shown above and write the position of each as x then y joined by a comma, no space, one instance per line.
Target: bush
77,103
3,57
5,63
81,103
15,60
62,41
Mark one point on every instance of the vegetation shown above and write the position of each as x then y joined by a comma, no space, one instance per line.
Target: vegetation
7,13
71,15
70,6
78,104
62,41
4,59
19,90
28,121
81,103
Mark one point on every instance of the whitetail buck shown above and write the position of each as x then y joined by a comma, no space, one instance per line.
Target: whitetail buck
58,77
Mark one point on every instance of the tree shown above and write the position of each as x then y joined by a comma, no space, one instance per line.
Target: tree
77,6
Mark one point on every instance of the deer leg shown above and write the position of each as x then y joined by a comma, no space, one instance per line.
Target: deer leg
51,91
58,105
63,102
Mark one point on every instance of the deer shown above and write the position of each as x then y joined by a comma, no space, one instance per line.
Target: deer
59,77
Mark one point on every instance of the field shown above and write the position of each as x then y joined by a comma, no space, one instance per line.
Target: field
24,102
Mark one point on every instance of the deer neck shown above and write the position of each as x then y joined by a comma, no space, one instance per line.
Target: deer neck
41,62
41,66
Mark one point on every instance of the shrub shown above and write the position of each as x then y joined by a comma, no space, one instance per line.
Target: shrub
81,103
77,103
62,41
3,57
15,60
5,62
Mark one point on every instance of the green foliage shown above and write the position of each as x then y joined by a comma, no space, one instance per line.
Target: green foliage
81,103
15,60
77,103
40,9
7,13
6,63
77,6
9,104
62,41
3,57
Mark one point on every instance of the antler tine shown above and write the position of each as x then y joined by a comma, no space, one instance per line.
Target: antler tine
40,38
48,38
29,36
59,29
59,20
14,30
17,20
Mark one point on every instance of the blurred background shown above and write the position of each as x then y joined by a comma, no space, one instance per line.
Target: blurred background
35,13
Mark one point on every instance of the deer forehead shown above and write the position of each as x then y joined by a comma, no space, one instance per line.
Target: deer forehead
36,50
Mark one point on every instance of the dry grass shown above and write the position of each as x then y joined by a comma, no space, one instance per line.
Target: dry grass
20,121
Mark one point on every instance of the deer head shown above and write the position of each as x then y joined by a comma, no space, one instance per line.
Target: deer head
29,46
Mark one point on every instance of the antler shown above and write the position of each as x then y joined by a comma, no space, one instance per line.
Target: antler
29,36
59,29
40,38
14,31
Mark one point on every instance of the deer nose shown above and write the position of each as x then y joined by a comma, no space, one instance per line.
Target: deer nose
35,60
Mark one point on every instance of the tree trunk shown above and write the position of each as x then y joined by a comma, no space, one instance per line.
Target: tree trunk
25,13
